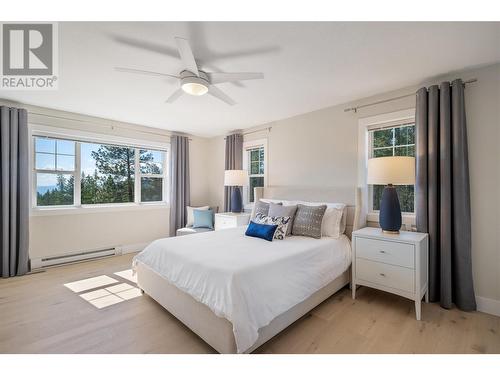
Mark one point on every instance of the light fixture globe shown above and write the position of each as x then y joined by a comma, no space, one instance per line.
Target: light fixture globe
193,85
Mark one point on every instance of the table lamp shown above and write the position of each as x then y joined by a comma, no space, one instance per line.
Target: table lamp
236,178
390,171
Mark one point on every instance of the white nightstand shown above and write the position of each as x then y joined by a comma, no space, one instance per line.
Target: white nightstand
395,263
230,220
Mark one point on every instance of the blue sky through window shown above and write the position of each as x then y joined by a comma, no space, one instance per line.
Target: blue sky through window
87,161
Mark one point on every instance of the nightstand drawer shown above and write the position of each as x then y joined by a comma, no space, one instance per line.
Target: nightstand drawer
222,222
231,220
395,253
385,274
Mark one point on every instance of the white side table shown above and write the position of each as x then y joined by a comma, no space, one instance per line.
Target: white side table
231,220
395,263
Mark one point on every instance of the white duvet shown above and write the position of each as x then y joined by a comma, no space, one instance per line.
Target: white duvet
248,281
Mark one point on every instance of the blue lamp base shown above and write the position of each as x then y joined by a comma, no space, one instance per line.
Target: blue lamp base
236,205
390,210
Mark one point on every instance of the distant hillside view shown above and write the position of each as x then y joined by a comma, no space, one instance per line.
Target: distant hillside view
43,189
108,176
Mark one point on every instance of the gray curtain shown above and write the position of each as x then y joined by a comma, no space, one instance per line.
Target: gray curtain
442,193
234,160
14,191
179,182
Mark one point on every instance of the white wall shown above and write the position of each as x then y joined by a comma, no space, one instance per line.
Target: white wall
320,149
131,227
63,234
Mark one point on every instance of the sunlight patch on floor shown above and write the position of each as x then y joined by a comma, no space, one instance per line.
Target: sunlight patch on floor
118,288
107,294
111,295
127,275
106,301
95,294
130,293
91,283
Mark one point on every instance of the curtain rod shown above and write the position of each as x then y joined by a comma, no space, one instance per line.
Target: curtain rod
355,109
256,131
95,123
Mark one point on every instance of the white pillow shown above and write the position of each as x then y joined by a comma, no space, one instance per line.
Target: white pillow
190,215
271,200
333,224
343,222
284,202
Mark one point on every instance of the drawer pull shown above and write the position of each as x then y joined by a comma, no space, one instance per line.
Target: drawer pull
382,251
382,274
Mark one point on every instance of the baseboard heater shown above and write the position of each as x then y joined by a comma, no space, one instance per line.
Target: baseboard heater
72,257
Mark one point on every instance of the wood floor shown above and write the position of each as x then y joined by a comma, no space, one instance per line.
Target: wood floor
39,315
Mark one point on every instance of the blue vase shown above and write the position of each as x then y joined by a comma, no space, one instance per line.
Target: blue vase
390,210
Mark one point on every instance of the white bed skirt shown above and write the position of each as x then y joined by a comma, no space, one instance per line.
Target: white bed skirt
217,331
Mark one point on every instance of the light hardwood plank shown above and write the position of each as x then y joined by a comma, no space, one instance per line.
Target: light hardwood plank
40,315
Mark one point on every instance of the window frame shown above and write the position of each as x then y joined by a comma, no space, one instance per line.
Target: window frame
139,175
36,130
35,172
247,146
366,124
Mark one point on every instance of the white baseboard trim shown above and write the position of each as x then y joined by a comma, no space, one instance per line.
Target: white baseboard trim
133,248
488,305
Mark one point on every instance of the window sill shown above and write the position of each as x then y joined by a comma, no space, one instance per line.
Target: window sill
94,209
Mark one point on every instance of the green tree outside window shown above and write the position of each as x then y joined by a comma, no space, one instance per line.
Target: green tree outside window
396,141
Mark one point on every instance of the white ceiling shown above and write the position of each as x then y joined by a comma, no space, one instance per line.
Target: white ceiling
307,66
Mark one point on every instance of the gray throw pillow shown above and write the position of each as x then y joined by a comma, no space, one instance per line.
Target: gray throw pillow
285,211
261,208
308,221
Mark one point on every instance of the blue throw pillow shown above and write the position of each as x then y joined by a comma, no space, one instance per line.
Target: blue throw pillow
264,231
203,219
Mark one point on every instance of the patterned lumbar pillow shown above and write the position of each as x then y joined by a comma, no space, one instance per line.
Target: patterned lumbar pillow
280,210
261,207
308,220
281,221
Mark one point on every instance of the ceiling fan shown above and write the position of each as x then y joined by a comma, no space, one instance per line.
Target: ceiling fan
194,81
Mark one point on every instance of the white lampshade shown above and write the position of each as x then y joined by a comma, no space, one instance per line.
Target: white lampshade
235,177
396,170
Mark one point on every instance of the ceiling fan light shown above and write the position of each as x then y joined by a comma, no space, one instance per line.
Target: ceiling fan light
193,88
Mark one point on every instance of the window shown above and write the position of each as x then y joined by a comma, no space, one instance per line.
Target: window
107,174
73,173
255,170
254,155
55,176
151,174
393,141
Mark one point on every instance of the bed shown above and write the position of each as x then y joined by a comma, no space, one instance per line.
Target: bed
237,292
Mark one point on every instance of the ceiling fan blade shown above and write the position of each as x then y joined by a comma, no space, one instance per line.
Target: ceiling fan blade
232,77
176,95
145,72
187,56
219,94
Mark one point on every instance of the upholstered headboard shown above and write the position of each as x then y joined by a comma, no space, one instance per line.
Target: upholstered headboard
348,195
